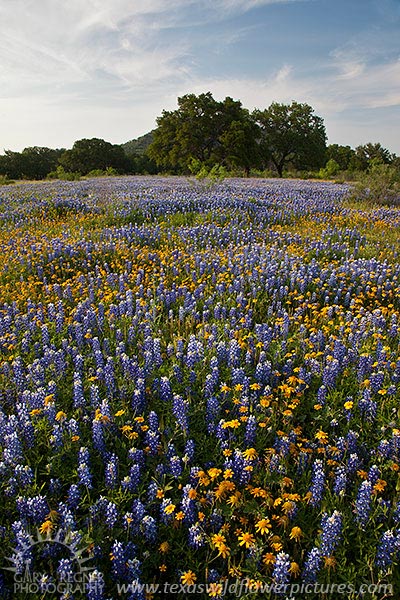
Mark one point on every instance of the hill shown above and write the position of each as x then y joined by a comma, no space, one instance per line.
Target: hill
139,145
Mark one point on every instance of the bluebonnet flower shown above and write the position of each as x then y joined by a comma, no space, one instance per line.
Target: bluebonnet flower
149,528
330,373
331,532
251,430
396,514
363,502
109,376
353,464
74,496
55,486
212,413
175,466
132,481
376,380
95,585
118,561
189,450
280,573
240,468
388,544
19,376
367,406
196,536
35,508
66,516
84,474
13,449
352,441
179,410
317,483
24,475
340,483
165,389
98,436
111,514
111,471
23,550
312,565
79,400
153,439
65,570
321,395
373,474
152,491
56,439
94,396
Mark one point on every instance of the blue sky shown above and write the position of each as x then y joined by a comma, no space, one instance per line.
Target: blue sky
107,68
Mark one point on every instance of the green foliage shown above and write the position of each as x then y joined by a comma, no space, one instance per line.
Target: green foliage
109,172
4,180
32,163
330,170
89,155
63,175
206,130
364,155
208,176
380,185
342,155
291,134
142,164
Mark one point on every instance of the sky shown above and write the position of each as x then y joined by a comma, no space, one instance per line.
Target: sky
107,68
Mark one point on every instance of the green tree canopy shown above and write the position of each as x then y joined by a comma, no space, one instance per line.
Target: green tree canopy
206,130
342,155
292,134
365,154
32,163
90,154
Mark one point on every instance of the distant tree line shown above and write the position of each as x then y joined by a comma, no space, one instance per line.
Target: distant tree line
202,134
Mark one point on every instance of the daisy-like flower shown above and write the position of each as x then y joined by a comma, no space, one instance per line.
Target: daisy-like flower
214,590
217,539
250,454
46,527
163,547
169,509
223,550
294,569
188,578
61,416
263,526
296,534
269,559
246,539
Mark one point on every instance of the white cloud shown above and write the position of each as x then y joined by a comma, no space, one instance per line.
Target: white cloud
107,68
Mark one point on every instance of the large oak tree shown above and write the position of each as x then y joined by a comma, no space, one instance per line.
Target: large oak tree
206,130
291,134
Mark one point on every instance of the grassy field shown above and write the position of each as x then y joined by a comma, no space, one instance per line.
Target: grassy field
199,387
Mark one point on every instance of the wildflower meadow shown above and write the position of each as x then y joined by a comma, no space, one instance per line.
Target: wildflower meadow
199,386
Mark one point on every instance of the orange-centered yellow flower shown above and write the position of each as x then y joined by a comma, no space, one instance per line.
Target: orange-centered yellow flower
246,539
296,534
46,527
188,578
263,526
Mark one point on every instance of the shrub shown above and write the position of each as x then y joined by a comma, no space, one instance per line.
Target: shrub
5,181
380,185
330,170
60,173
